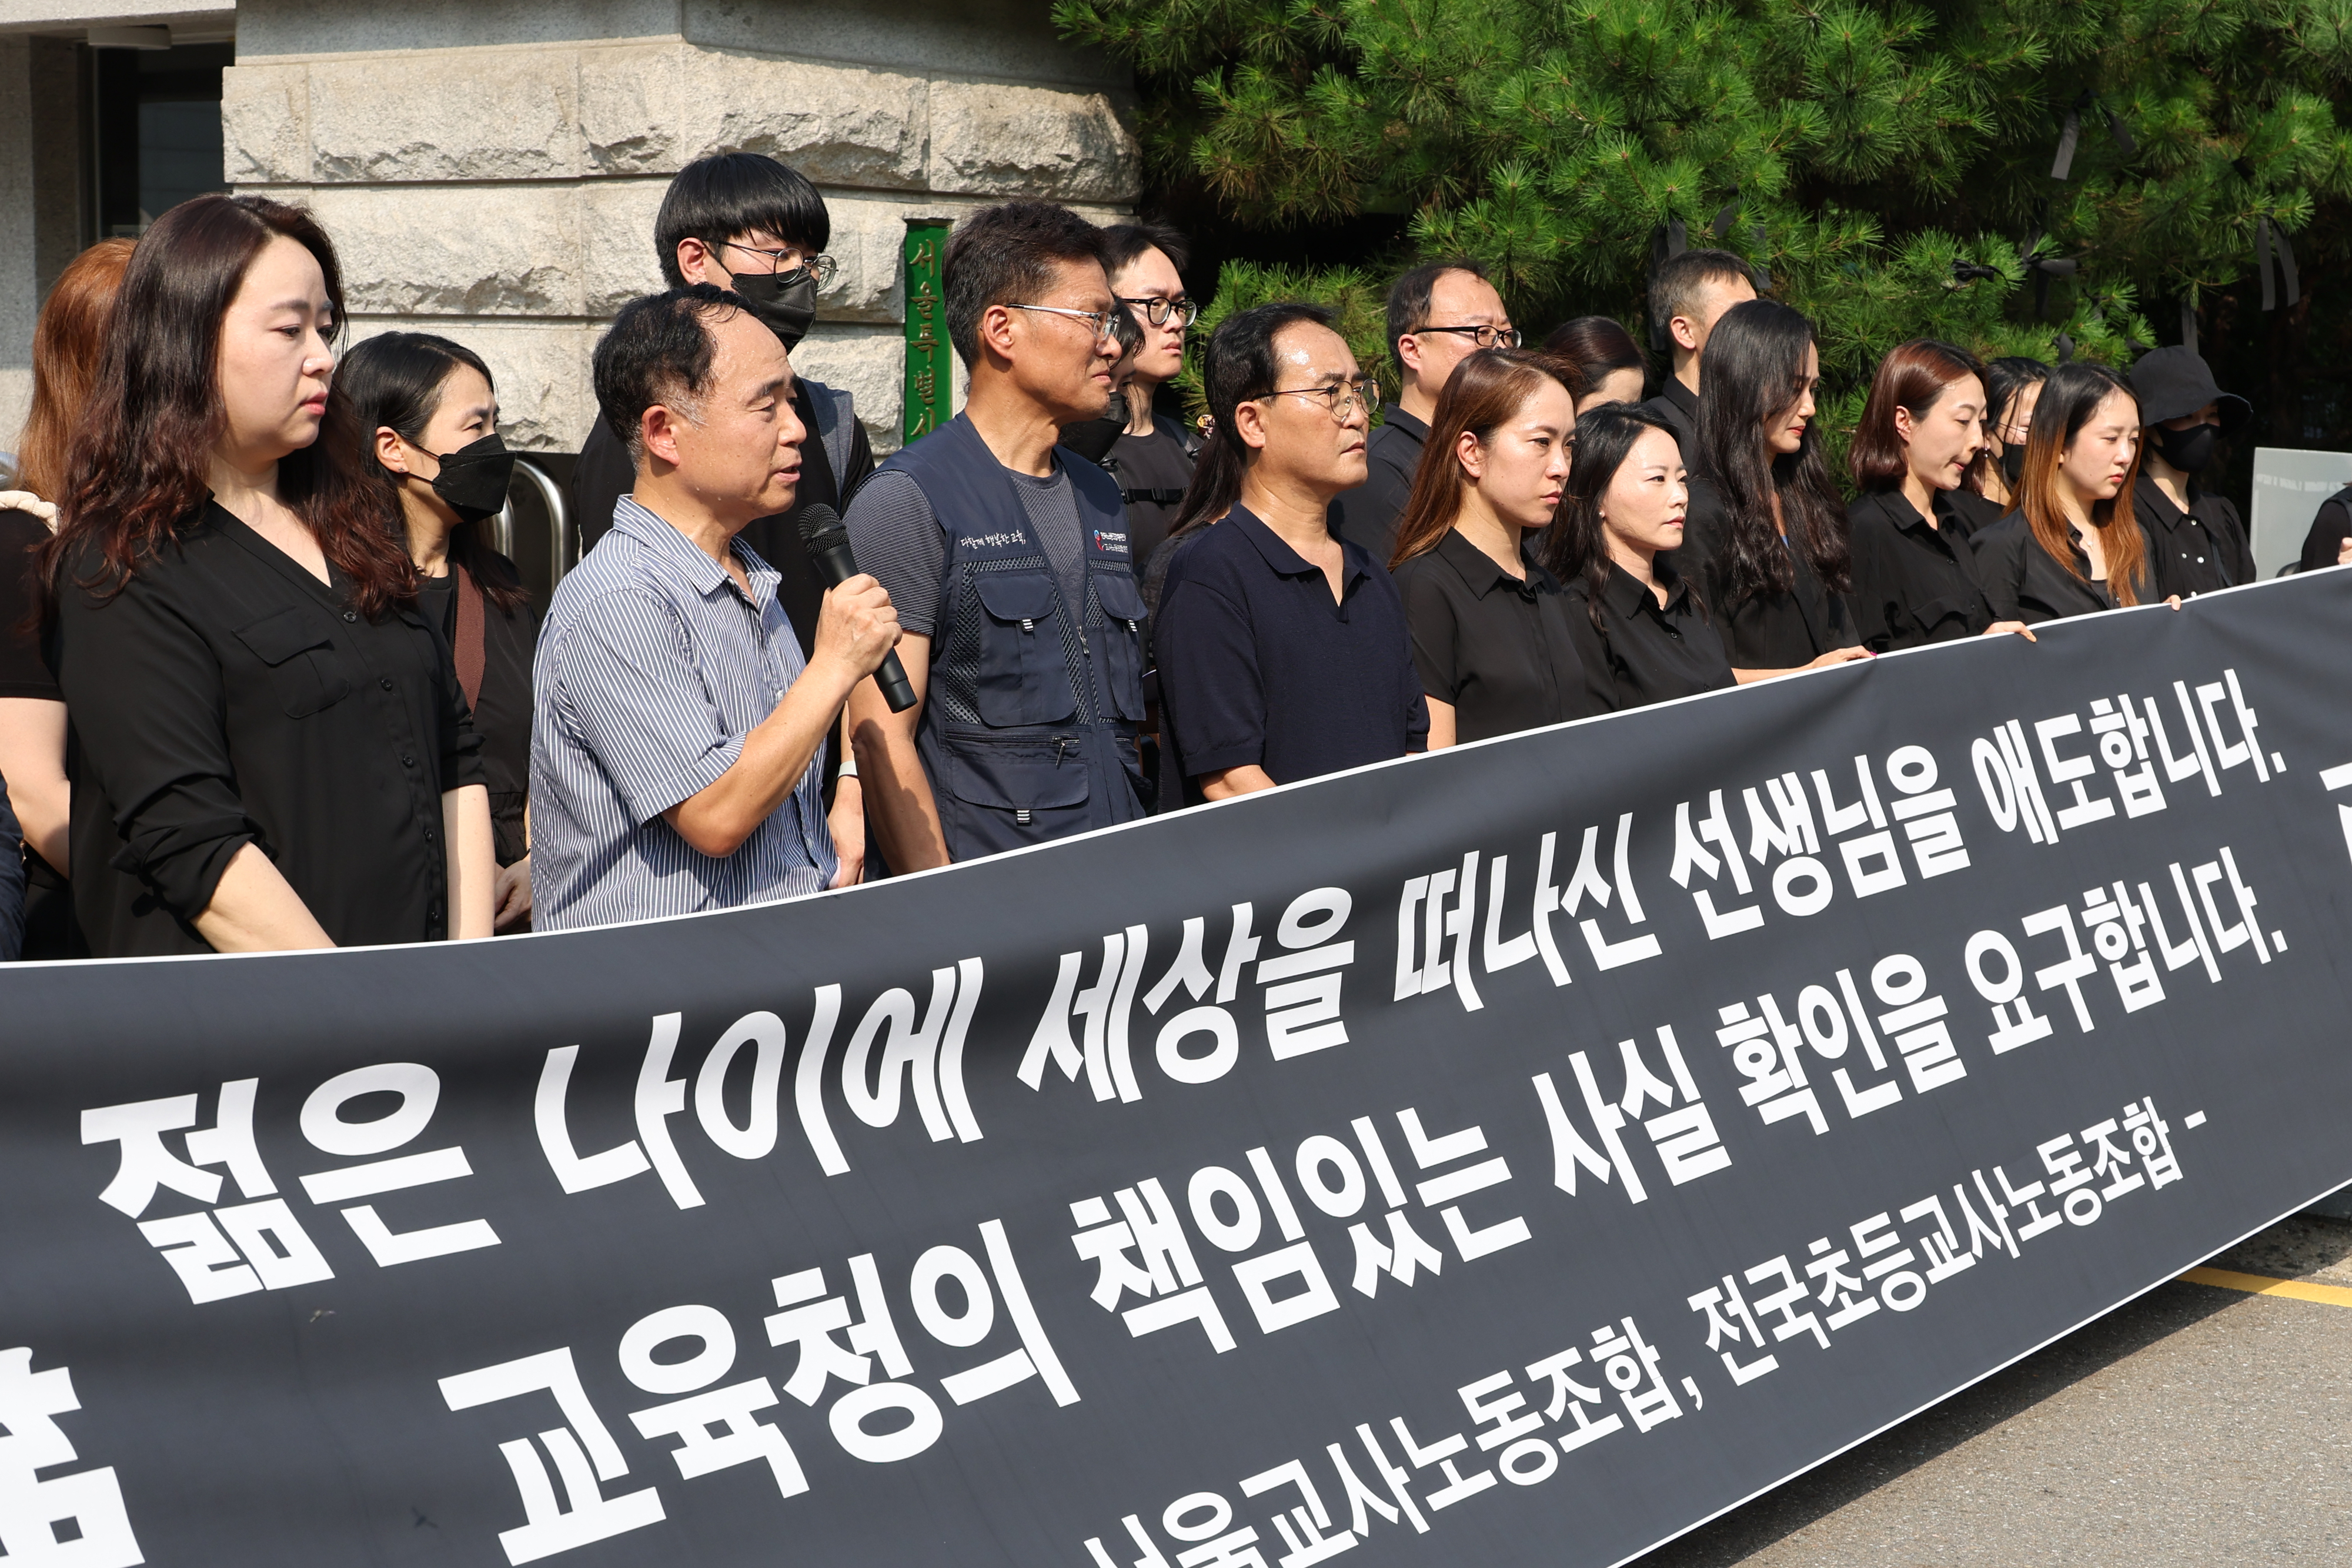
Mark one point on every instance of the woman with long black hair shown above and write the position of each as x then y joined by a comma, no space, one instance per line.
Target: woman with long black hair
1642,636
1766,539
269,749
2073,546
427,416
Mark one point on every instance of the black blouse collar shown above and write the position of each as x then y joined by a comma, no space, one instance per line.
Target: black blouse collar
1627,595
1483,575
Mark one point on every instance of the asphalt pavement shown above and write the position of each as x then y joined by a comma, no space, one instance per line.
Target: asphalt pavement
2198,1424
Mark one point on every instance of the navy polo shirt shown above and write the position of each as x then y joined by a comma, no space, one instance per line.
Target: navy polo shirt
1258,664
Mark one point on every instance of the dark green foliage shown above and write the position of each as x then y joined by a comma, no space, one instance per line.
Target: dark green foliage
1858,151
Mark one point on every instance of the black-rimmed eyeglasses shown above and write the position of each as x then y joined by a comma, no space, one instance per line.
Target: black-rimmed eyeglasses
1158,311
1485,336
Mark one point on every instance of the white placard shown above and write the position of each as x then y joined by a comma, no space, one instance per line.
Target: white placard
2289,485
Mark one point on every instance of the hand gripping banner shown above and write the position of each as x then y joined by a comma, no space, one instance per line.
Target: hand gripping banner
1512,1156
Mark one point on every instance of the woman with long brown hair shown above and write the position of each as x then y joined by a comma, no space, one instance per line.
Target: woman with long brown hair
1490,635
1922,431
270,749
69,342
2073,546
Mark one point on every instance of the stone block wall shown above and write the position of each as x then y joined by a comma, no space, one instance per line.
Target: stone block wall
503,192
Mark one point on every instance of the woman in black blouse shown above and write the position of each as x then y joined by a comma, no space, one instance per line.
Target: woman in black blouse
1767,539
427,416
1490,635
1642,636
267,745
1922,429
2073,546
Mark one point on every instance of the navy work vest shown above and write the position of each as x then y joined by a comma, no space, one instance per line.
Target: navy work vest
1029,724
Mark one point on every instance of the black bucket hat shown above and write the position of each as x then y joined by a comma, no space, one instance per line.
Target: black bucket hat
2175,382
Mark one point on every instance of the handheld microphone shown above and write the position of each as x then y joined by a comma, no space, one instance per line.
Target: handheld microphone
827,543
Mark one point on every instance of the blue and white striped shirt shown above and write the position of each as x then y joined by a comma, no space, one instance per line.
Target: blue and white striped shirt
652,667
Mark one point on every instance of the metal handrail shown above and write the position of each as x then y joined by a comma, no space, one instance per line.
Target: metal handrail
563,536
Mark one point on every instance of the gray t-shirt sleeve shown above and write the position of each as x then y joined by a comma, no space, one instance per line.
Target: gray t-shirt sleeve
897,537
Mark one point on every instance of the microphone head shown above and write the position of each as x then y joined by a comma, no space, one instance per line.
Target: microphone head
820,525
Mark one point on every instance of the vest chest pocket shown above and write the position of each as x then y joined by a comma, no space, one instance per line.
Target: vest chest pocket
1024,675
306,675
1122,633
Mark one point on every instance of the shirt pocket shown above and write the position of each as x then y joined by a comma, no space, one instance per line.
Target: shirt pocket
1023,677
1123,613
306,674
1944,614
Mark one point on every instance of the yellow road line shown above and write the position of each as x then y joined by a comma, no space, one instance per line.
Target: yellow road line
2263,1285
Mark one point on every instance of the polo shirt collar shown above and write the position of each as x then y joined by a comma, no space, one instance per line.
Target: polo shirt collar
1283,560
681,556
1392,414
1479,570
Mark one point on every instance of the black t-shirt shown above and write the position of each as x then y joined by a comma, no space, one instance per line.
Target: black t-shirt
502,717
1644,653
227,696
604,475
1913,583
1153,472
1499,649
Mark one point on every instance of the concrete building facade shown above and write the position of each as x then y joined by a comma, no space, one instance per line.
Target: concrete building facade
490,169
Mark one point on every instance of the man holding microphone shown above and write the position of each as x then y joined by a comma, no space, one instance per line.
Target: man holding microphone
677,746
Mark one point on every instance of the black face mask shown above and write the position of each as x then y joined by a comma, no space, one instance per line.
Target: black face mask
2188,450
2012,463
785,302
1092,439
473,478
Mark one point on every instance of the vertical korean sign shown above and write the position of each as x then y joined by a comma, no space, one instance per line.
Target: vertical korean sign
928,375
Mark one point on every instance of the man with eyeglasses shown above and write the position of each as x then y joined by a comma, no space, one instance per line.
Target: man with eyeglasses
1009,561
1440,313
745,223
1152,457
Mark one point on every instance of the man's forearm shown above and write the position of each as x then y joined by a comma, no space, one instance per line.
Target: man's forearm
901,815
775,754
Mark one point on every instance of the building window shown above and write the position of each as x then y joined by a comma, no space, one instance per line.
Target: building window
157,125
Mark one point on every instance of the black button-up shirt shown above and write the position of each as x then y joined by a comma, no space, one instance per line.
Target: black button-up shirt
1678,406
1367,515
1497,648
1766,630
1258,664
2026,583
1644,651
1913,582
227,696
2195,551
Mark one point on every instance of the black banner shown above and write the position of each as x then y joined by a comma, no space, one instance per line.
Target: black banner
1513,1156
